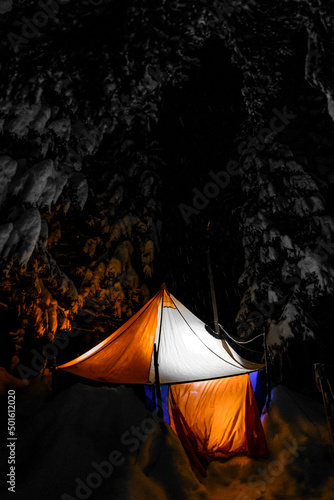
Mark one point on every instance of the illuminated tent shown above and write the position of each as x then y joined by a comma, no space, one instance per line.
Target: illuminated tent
165,340
217,419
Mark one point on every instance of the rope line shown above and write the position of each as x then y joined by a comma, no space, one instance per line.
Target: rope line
239,341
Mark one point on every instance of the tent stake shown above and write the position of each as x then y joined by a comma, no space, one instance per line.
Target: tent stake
157,382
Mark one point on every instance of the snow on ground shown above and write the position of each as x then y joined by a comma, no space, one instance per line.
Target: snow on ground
299,465
102,443
63,445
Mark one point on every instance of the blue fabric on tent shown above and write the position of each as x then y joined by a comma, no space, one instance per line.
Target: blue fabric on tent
253,379
259,384
152,403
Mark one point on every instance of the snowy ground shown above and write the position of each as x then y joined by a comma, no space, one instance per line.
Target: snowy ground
102,443
299,466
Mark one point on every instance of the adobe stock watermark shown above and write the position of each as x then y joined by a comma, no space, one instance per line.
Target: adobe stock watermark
221,179
51,349
102,471
31,27
275,468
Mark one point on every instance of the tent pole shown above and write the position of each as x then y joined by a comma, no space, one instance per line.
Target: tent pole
156,364
267,369
157,382
212,285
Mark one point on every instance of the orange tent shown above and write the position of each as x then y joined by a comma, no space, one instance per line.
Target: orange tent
217,418
164,343
186,351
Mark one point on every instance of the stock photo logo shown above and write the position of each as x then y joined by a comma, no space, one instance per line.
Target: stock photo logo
265,476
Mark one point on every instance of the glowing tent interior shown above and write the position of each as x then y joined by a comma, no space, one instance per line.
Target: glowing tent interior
213,412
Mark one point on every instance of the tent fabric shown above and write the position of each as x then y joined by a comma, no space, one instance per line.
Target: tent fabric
186,350
259,384
219,418
151,400
180,427
124,356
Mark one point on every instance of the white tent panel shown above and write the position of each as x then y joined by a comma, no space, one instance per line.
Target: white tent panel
187,352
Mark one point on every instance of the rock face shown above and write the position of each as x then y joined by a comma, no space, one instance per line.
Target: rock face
92,171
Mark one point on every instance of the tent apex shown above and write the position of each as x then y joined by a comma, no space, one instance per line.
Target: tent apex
163,287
